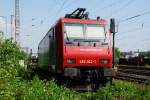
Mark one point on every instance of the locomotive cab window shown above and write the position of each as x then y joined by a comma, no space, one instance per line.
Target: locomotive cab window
95,31
82,34
74,31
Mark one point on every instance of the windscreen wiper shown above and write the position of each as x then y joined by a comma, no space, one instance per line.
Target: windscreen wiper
67,36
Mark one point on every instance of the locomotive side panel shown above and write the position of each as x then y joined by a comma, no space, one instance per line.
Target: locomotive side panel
44,50
52,50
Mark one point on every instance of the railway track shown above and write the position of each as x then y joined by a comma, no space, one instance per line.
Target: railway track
138,74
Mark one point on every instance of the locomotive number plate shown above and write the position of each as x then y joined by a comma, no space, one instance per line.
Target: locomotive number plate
87,61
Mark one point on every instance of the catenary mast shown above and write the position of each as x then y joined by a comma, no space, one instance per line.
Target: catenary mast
17,22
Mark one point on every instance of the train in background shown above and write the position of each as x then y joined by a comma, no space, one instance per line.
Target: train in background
131,58
78,48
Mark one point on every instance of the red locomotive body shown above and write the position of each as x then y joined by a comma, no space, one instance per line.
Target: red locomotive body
76,48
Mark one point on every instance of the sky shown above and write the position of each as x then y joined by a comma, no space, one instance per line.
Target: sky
37,16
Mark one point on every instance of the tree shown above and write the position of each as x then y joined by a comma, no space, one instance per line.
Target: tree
117,54
10,55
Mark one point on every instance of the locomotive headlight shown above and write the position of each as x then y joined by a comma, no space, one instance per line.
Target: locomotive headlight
104,61
71,60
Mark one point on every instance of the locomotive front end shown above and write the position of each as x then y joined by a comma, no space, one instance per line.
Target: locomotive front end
87,48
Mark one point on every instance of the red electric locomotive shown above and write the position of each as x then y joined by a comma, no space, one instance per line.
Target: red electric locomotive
78,48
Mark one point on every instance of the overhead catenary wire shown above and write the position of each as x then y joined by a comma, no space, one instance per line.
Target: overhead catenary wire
123,7
55,15
61,8
119,9
143,27
135,16
130,18
40,21
72,2
133,35
108,6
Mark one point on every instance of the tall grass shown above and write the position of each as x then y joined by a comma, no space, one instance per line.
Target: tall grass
122,90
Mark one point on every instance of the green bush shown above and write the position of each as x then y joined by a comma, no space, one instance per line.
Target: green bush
10,54
13,85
